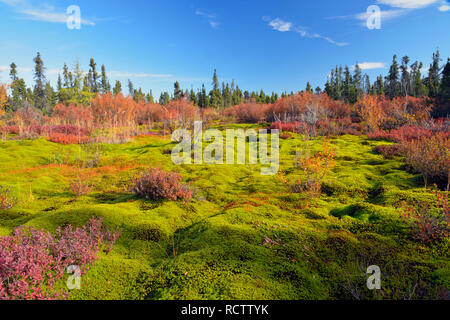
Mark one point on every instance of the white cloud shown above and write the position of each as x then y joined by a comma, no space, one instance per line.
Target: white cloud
371,65
205,14
214,24
399,8
19,69
120,74
407,4
306,34
45,13
50,16
280,25
285,26
208,15
385,15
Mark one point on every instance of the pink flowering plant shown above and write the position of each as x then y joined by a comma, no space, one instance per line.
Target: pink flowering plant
32,261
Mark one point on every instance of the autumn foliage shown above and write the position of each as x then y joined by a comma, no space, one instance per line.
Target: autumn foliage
430,156
3,100
379,112
316,168
32,261
156,184
429,223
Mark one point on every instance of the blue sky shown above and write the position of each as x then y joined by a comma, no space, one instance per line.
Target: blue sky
273,45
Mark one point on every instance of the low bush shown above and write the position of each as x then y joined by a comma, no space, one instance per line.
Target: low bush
404,134
32,261
316,168
80,186
285,136
429,223
63,138
430,157
389,151
156,184
7,200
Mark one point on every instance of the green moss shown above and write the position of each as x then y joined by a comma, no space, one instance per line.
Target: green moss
244,236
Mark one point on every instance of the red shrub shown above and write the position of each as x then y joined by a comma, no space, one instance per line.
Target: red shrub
80,186
430,157
7,200
294,127
285,136
389,151
155,184
10,129
429,223
62,138
251,112
404,134
31,261
316,169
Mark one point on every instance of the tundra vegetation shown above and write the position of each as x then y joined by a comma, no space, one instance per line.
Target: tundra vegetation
86,178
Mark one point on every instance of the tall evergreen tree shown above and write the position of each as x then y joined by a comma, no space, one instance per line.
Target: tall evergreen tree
93,76
150,98
66,76
177,92
433,81
13,72
358,81
106,87
442,108
417,86
130,88
392,80
59,87
117,88
18,88
39,78
215,94
405,78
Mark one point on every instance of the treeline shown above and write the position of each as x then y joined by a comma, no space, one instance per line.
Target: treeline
403,79
77,87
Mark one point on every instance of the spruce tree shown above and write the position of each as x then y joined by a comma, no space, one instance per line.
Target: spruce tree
215,94
358,82
105,85
177,92
405,79
433,81
442,108
392,80
93,76
39,78
117,88
130,88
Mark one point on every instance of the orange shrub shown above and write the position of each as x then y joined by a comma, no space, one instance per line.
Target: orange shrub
430,156
429,223
156,184
250,112
180,114
63,138
316,168
3,100
370,109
